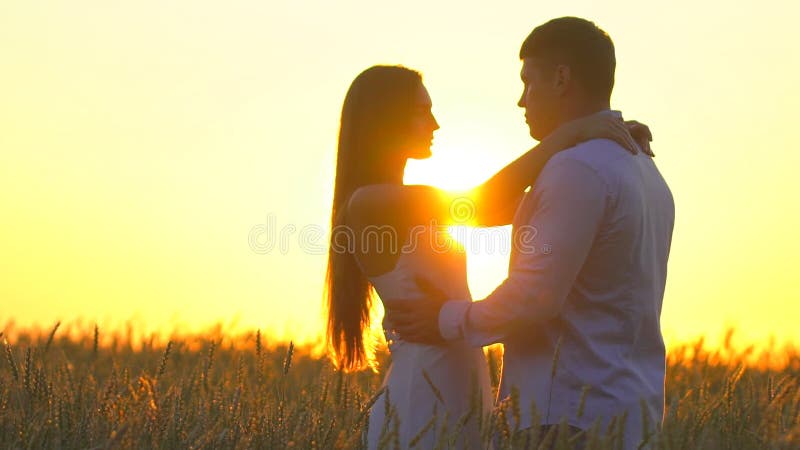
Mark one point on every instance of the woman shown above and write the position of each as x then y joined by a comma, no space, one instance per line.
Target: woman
386,235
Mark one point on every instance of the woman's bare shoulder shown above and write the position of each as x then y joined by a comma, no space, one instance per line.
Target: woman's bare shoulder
382,203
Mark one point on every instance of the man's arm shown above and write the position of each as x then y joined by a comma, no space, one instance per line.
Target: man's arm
550,249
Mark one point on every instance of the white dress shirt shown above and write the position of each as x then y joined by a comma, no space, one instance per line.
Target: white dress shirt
586,283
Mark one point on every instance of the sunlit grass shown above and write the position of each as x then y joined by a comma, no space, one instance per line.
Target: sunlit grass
95,389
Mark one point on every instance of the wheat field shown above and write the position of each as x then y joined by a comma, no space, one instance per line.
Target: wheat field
66,389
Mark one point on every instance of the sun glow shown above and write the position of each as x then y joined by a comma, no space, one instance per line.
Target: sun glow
445,173
140,151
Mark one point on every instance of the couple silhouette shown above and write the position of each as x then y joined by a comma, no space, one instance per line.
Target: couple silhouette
580,324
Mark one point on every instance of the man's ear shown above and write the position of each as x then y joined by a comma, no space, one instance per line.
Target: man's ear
562,79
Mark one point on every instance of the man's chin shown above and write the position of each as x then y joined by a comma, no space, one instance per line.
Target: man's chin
538,133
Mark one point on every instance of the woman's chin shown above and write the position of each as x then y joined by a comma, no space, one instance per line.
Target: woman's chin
421,155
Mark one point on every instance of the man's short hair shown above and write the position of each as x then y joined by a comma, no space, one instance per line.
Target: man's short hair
579,44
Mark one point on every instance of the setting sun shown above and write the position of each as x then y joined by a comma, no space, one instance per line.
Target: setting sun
142,143
170,200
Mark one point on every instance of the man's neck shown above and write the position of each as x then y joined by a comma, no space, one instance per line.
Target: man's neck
582,109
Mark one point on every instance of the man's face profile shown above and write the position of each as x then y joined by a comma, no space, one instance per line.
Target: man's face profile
538,97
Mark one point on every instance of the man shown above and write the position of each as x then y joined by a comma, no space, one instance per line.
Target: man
579,314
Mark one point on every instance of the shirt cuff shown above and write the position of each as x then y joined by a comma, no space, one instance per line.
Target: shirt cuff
453,318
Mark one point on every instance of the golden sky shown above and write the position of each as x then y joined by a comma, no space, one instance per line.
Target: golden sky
142,142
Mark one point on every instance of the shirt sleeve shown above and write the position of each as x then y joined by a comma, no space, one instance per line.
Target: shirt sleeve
569,201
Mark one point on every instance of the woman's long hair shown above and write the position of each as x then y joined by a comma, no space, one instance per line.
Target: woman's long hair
375,116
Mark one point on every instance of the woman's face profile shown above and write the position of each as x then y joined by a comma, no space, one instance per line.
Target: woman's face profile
422,125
